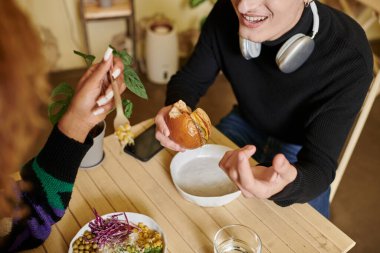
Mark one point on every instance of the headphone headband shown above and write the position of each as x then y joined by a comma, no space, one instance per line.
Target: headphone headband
314,10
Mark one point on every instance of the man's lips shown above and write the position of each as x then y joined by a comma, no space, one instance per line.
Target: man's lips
253,21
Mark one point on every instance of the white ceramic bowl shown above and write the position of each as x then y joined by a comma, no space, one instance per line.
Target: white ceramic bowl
132,218
198,178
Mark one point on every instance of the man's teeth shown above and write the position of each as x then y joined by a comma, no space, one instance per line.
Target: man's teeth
253,19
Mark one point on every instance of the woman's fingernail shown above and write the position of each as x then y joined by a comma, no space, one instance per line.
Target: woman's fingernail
98,111
109,95
102,101
107,54
116,73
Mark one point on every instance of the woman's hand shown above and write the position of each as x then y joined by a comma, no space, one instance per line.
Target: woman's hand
163,132
259,181
93,98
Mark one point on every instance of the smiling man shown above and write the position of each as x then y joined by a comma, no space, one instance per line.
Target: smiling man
300,71
261,21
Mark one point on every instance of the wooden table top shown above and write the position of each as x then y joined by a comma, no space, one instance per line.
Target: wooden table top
123,184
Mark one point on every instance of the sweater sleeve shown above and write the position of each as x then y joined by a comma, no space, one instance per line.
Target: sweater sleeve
326,134
51,174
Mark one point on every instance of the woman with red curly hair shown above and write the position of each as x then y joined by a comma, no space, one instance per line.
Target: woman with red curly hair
30,206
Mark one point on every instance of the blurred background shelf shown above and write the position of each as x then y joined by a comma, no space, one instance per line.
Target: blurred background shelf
91,11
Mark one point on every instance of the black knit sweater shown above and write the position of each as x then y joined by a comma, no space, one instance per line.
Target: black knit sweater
51,175
315,106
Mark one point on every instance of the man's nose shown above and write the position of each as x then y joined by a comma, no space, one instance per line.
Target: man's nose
245,6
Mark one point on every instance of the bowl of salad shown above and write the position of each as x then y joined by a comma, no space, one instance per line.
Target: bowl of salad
121,232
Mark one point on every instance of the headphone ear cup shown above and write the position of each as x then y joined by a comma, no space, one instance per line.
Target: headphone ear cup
249,49
294,52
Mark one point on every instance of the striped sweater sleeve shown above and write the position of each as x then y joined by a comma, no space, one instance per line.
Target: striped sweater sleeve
51,174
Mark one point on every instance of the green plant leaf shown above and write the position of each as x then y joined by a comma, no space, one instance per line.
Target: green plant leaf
89,59
134,83
63,89
63,93
203,20
56,110
128,107
195,3
131,78
123,55
61,96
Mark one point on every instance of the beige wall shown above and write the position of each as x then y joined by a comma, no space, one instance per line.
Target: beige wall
52,15
62,18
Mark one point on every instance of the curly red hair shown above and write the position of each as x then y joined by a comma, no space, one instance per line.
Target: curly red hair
23,87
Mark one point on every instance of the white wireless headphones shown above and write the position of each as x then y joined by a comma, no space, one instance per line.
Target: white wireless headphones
295,51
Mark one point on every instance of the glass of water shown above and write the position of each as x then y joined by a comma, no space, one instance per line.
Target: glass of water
236,238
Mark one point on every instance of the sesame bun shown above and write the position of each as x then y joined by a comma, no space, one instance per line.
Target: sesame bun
188,129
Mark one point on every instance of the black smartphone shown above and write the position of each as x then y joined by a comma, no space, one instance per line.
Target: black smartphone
146,145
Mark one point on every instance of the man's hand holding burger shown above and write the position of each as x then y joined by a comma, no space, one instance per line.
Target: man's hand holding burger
163,132
179,128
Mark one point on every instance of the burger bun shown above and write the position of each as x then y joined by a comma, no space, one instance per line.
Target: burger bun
188,129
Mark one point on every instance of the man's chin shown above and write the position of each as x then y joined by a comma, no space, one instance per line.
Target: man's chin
251,37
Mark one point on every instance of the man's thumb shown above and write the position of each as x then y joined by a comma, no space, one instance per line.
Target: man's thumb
280,164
